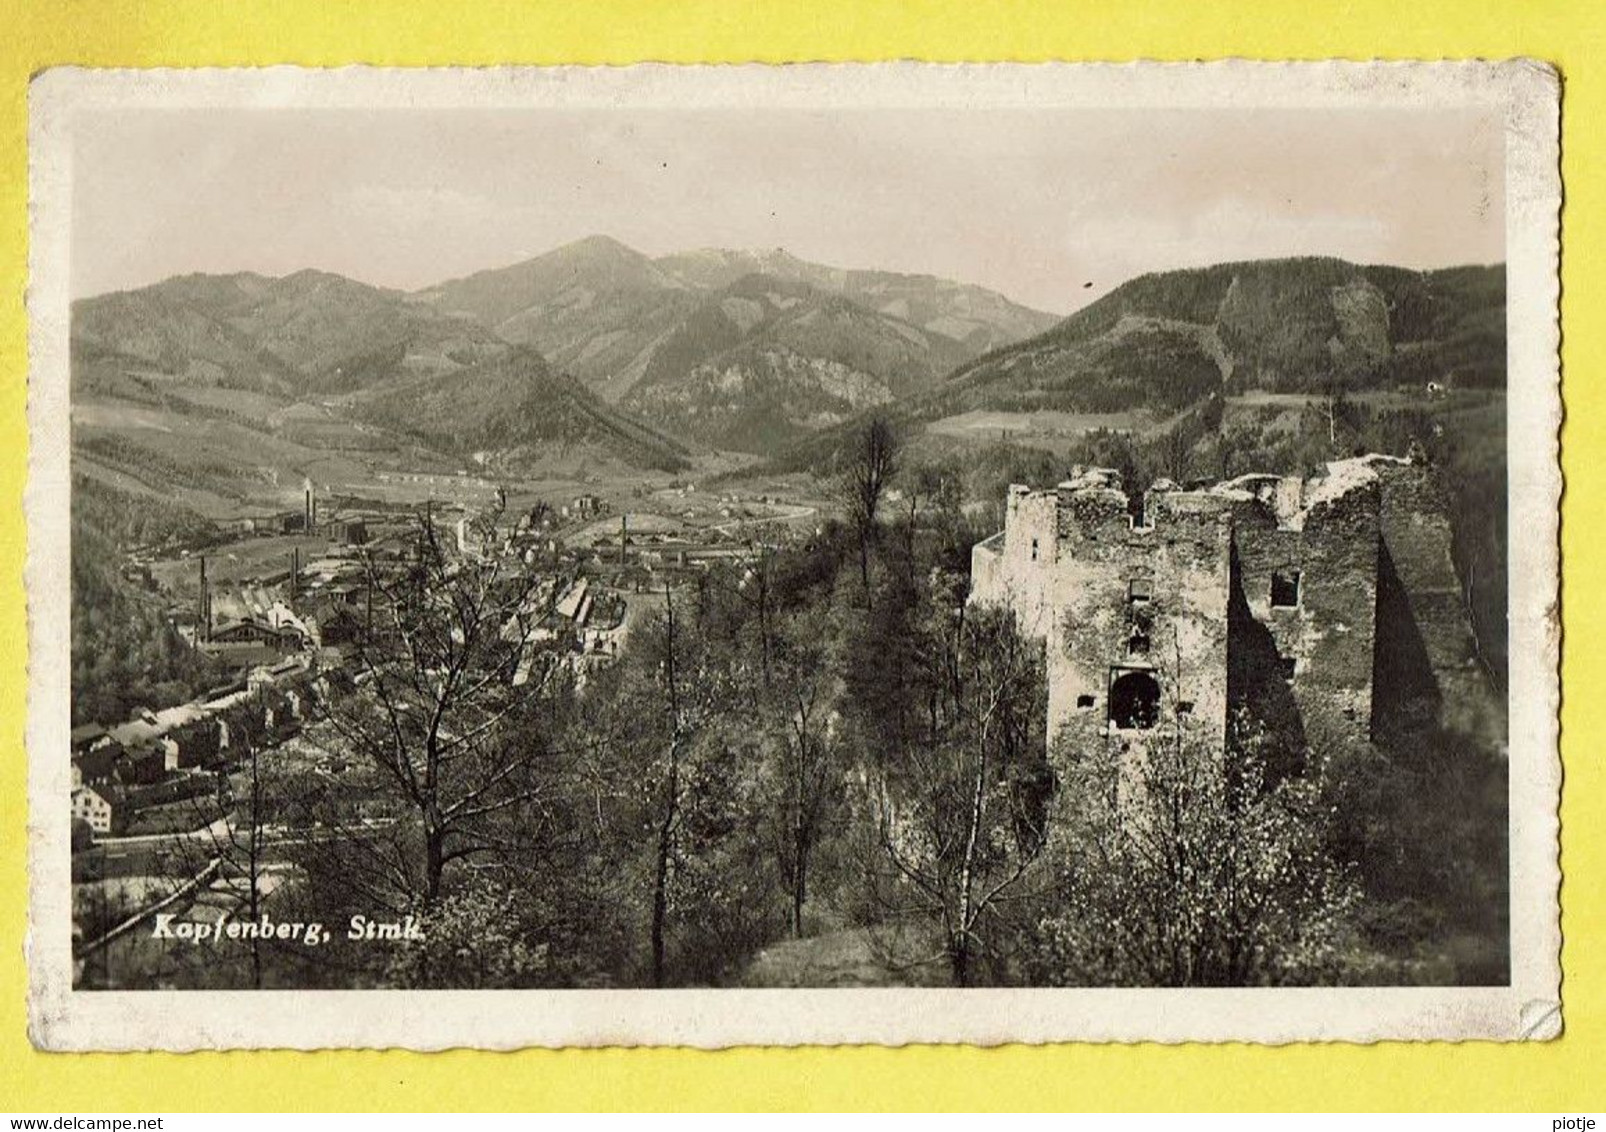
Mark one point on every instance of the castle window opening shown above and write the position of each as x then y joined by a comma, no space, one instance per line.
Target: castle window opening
1084,701
1285,589
1034,550
1184,707
1139,617
1134,701
1139,628
1289,666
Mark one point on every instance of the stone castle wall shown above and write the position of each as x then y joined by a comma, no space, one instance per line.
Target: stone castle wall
1319,545
1427,650
1120,603
1319,605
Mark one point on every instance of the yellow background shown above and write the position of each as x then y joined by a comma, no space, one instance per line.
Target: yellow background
1564,1075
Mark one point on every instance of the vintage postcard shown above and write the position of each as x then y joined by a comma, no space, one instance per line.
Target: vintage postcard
811,554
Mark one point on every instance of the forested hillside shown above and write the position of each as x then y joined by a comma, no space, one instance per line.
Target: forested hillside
125,654
517,405
308,333
1297,325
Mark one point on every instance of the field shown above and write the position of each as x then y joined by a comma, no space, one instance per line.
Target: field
1040,429
228,452
1283,412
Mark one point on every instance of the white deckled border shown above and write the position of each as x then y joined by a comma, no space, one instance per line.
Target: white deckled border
63,1019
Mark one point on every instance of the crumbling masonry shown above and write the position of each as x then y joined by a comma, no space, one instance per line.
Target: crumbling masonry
1328,605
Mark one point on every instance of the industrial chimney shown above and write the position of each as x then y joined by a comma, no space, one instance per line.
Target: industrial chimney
203,609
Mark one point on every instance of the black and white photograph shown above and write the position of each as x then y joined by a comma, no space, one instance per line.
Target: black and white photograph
794,554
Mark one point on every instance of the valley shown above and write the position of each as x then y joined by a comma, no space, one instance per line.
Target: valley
258,463
707,393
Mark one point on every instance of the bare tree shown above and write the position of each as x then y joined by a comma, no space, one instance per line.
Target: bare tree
245,849
669,815
873,465
691,691
440,684
756,588
809,762
226,836
933,490
1174,450
962,825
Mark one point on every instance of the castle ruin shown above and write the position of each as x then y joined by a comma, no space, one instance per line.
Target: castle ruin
1329,605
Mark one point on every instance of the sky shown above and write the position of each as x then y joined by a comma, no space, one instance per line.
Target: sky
1050,207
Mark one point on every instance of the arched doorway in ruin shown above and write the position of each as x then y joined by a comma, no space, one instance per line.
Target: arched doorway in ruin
1135,700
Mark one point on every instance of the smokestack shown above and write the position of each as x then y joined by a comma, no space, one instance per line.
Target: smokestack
623,527
306,508
295,574
203,610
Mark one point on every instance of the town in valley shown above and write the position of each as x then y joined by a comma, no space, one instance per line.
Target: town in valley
1032,574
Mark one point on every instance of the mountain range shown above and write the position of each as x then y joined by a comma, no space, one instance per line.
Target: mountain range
1163,343
812,342
595,352
727,349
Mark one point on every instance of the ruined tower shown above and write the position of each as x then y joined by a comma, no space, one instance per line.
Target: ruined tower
1325,607
1131,602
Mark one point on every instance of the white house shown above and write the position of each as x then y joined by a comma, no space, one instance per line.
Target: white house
90,805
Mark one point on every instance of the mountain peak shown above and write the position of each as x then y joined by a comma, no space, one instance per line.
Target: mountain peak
719,267
598,244
314,279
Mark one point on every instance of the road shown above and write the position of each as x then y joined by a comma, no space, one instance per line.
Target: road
218,829
801,511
